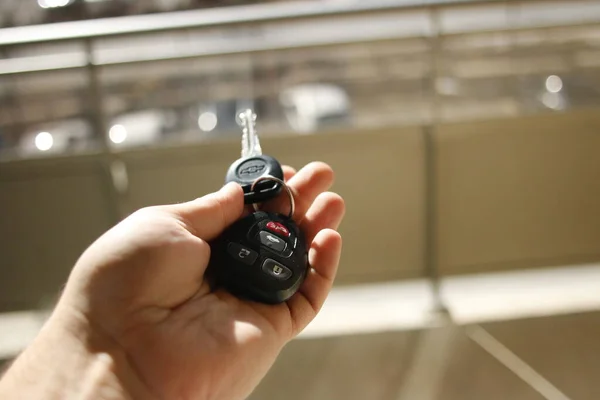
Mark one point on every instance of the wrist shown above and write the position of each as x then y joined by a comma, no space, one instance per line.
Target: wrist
70,359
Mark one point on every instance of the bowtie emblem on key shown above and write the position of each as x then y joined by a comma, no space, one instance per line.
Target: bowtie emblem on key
253,164
263,256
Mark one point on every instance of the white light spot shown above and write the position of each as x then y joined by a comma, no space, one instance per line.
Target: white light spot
44,141
53,3
207,121
554,84
117,134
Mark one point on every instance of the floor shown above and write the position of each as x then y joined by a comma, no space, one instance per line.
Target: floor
555,357
522,335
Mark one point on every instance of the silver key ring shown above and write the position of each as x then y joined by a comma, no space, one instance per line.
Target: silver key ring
287,189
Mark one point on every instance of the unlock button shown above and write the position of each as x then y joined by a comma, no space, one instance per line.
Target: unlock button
276,270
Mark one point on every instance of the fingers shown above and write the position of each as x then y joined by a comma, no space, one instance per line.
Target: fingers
306,185
209,215
319,225
327,211
288,172
324,257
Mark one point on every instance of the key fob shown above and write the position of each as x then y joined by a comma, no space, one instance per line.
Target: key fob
262,257
248,169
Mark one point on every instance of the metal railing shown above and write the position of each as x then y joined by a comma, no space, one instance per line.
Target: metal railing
259,30
380,13
98,45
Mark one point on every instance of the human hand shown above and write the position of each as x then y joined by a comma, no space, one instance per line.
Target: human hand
138,306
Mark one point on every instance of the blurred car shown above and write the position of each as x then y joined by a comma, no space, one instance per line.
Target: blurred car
218,119
306,109
140,128
310,107
59,137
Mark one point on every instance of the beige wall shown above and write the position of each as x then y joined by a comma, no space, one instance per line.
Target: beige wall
49,212
519,193
511,193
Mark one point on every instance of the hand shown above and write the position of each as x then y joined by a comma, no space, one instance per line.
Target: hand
137,299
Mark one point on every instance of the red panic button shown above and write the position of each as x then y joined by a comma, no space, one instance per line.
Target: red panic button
276,227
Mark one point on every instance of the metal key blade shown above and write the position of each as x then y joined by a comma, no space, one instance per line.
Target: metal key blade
250,143
254,164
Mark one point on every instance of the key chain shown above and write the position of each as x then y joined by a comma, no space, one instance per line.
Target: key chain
283,184
262,257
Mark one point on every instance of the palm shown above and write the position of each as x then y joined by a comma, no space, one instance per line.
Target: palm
203,348
184,340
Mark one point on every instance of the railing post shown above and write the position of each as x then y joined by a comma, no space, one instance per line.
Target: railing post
113,169
430,156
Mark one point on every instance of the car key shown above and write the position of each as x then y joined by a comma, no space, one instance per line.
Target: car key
253,165
262,257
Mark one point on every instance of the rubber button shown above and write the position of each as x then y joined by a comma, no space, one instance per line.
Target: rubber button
276,270
278,228
271,241
241,253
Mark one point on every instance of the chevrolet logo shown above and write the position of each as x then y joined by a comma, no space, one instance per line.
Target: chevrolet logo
251,169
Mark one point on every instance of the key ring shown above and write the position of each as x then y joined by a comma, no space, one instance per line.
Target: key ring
287,189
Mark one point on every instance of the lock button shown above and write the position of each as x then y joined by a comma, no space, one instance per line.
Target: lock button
276,270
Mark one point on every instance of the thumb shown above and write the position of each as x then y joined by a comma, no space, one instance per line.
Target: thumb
209,215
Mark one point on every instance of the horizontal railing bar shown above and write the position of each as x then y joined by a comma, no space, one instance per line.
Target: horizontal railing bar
18,66
211,18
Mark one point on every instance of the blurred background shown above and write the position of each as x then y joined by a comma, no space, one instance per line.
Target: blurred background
465,136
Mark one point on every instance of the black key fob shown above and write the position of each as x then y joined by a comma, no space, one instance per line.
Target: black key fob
246,170
262,257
